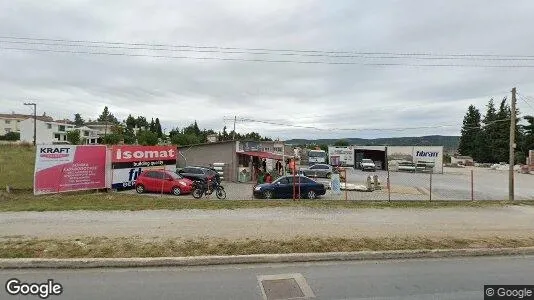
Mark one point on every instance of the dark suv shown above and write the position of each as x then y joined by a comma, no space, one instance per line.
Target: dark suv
200,173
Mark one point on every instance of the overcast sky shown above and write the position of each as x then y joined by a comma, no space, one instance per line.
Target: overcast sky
326,96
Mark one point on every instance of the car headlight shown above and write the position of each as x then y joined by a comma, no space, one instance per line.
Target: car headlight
257,189
183,183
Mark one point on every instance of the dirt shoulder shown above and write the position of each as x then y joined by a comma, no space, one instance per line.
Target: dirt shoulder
273,223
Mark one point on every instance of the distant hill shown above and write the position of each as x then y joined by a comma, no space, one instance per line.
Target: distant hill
450,143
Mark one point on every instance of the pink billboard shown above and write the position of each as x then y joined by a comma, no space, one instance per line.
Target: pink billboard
64,168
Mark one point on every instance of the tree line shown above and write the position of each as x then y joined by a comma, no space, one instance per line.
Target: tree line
137,130
486,138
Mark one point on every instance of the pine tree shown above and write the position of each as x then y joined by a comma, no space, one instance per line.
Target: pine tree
489,133
471,134
107,117
224,134
528,131
158,128
152,126
78,121
501,143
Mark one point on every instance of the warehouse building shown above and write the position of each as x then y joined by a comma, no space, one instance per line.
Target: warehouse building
397,158
238,159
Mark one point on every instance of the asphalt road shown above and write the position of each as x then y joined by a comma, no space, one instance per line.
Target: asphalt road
462,278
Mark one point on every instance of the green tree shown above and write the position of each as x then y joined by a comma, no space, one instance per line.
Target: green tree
130,122
129,136
225,134
342,143
159,132
501,144
471,133
112,139
152,126
78,121
117,129
528,131
142,123
489,134
184,139
107,117
147,138
73,137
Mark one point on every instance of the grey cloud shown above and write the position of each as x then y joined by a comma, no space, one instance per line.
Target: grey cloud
179,91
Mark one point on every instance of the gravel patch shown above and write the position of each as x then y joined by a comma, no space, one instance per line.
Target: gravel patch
273,223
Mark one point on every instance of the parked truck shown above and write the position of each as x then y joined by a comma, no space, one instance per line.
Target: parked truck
316,157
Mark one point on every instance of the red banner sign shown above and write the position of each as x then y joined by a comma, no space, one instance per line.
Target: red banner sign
64,168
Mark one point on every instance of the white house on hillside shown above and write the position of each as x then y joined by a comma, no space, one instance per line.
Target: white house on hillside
48,132
11,122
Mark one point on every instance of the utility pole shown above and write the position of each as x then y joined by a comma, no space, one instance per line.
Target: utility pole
34,121
512,148
233,134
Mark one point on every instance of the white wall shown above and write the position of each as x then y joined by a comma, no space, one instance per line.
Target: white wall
44,135
14,125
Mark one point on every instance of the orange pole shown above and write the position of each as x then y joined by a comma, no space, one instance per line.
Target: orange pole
299,186
294,186
163,181
346,196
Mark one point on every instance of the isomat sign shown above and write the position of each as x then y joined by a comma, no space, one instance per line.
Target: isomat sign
142,153
127,162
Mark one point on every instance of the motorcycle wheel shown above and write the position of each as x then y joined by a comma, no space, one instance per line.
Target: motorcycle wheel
221,193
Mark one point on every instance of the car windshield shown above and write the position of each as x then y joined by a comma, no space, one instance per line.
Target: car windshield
316,154
174,175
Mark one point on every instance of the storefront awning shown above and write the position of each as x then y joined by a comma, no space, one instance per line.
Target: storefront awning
261,154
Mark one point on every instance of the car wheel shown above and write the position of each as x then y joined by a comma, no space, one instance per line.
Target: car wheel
329,175
176,191
311,195
268,195
197,193
140,189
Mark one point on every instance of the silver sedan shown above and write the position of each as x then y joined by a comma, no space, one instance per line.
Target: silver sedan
318,170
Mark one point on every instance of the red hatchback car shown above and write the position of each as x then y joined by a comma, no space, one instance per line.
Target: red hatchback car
163,181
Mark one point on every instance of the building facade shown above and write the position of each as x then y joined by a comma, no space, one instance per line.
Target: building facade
428,158
88,136
11,122
47,132
239,159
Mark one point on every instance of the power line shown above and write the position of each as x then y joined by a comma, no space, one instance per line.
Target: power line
363,129
524,98
427,54
266,60
199,49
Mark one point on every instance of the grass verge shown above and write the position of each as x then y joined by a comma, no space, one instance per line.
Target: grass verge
16,166
118,201
131,247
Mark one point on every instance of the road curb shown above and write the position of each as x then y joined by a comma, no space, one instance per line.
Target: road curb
82,263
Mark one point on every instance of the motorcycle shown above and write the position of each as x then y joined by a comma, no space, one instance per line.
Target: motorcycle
201,188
